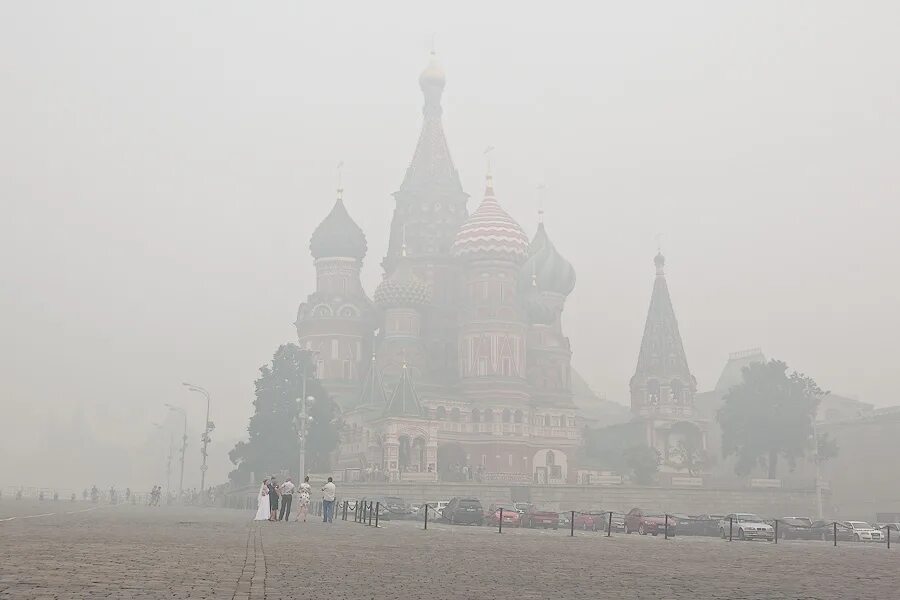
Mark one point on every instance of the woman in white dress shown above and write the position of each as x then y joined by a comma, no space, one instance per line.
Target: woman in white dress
262,499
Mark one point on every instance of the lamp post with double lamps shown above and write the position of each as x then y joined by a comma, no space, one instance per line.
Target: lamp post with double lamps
184,439
209,427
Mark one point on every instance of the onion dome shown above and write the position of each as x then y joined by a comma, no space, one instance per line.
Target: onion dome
432,81
539,310
338,235
491,233
402,288
660,261
545,268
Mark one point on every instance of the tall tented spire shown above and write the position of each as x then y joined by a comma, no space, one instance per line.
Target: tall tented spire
431,162
662,354
404,401
372,392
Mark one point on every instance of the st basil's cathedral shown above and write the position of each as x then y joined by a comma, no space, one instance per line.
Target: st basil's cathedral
458,366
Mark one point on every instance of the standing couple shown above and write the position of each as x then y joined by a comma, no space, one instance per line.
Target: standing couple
268,499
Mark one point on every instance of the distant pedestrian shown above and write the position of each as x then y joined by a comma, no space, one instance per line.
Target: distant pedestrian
273,499
328,492
287,496
303,499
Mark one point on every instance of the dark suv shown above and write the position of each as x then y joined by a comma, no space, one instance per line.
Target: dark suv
464,511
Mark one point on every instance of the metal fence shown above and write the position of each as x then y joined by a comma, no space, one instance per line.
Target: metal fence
609,523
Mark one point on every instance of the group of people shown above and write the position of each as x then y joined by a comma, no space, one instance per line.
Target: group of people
155,493
272,495
465,472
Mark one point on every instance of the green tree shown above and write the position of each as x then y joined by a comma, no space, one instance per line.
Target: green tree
273,443
767,416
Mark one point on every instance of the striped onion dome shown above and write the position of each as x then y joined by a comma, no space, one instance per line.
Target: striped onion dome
490,232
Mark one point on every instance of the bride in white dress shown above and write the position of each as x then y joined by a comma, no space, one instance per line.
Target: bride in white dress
262,511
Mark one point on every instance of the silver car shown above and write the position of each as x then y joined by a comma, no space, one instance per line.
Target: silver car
746,526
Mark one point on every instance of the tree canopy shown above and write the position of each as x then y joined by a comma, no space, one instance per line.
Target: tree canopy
273,444
767,416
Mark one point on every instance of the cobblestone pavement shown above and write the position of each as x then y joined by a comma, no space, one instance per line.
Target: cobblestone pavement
168,552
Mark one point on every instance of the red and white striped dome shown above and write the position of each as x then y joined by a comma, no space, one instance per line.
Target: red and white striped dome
491,233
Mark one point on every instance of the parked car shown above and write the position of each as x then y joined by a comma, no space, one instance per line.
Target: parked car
435,509
398,507
463,511
824,530
653,523
588,522
746,526
536,517
892,529
511,516
864,532
797,528
698,525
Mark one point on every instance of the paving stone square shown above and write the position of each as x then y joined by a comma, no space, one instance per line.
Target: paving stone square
84,551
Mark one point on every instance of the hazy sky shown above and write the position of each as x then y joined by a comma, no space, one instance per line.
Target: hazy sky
163,164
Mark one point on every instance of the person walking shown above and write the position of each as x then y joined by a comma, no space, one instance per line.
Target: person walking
287,496
328,491
303,499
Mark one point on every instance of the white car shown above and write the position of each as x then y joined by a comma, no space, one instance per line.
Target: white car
863,532
746,526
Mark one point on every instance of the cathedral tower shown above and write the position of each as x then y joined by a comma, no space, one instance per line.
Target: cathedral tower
336,320
545,281
430,207
491,247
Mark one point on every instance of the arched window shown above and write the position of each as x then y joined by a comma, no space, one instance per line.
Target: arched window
506,416
488,415
551,458
441,413
476,415
454,414
517,416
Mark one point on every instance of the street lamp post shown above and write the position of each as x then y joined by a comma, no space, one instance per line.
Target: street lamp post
304,420
184,439
206,430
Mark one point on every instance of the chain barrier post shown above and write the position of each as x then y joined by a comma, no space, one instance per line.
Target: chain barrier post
667,526
776,531
500,524
426,516
609,525
377,510
888,527
365,512
730,528
835,534
344,515
370,513
572,525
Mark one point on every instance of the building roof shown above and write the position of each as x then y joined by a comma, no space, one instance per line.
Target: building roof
733,372
662,353
404,401
372,390
338,235
490,232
